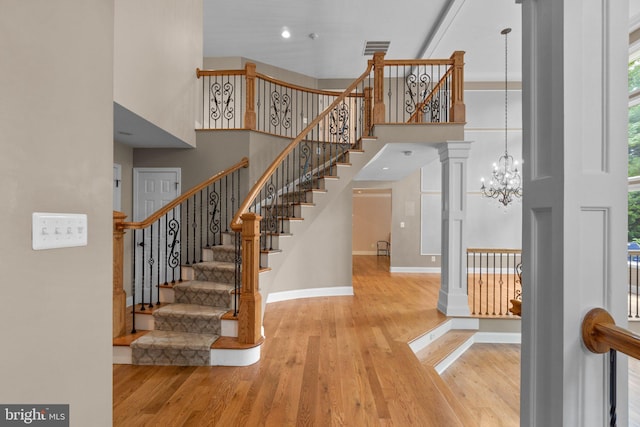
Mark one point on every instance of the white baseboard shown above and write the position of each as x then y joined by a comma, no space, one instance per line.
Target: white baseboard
414,269
129,301
245,357
337,291
498,338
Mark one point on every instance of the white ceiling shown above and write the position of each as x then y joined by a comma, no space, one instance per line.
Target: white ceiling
415,28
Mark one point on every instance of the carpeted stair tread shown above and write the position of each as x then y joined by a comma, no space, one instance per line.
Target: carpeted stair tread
204,293
194,318
215,271
223,253
173,348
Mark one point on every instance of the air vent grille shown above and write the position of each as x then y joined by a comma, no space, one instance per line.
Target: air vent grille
371,47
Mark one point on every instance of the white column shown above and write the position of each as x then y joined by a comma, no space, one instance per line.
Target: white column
575,55
453,300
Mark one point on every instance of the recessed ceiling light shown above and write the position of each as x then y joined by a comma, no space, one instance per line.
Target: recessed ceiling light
386,168
285,33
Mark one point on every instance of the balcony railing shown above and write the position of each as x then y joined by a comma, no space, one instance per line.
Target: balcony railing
493,280
395,91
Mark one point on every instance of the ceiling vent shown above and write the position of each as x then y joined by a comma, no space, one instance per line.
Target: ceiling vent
371,47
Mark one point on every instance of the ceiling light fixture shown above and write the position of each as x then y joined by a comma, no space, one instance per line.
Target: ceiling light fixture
285,33
505,184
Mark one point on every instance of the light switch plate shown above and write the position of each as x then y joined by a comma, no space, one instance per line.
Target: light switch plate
58,230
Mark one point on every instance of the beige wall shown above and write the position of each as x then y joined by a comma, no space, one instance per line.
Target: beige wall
371,220
158,46
123,155
56,131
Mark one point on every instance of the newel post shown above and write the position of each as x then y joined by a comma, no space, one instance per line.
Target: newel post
378,87
119,296
457,112
250,110
250,315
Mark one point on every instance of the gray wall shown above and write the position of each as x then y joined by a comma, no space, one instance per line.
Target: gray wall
56,124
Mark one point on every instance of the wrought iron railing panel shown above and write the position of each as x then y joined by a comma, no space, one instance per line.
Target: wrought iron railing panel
223,101
493,280
418,93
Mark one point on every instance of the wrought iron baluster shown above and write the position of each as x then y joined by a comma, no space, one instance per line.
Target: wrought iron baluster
173,246
150,261
142,270
157,281
612,388
201,225
186,232
133,283
194,226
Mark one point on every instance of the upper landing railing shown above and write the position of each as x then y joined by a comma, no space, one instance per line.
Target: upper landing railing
395,91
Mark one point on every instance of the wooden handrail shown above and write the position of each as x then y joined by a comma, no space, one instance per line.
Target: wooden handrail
236,223
165,209
431,94
399,62
494,250
304,89
600,334
202,73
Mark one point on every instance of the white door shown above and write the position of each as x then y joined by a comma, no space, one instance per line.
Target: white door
117,187
156,247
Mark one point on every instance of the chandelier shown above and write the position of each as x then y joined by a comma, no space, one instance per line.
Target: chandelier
505,184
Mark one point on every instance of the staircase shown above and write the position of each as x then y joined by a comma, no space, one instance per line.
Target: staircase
185,329
189,326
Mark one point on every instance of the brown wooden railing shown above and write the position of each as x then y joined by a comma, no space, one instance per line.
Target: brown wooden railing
398,91
172,237
493,281
601,335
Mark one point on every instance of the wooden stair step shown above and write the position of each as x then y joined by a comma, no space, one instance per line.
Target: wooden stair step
441,348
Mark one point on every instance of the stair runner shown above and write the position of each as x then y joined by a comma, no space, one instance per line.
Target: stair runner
185,330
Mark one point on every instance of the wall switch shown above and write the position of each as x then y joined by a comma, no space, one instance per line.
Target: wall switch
58,230
433,259
402,224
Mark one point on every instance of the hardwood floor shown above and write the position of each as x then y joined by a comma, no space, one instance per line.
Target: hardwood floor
340,361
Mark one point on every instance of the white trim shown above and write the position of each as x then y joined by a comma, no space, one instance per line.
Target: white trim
428,337
498,338
129,302
226,357
122,355
336,291
228,328
472,323
414,269
454,355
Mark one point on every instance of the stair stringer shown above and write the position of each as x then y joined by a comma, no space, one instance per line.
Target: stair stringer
317,255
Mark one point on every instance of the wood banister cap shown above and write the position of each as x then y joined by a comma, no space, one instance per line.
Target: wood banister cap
590,335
